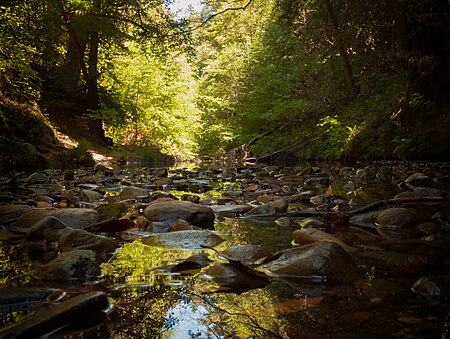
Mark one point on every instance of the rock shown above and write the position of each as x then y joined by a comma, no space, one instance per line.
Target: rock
49,228
157,227
317,181
169,211
262,210
82,240
194,263
181,225
422,192
58,315
72,217
9,213
6,235
37,178
285,221
111,226
80,265
235,277
418,180
324,259
163,181
311,235
263,199
131,192
194,239
432,288
24,298
397,218
162,173
91,196
247,254
231,210
280,205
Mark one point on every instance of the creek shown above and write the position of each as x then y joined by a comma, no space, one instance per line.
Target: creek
379,272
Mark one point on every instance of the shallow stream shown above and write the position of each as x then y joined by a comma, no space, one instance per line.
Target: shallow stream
401,288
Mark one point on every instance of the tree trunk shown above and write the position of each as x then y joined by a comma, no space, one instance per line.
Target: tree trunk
341,46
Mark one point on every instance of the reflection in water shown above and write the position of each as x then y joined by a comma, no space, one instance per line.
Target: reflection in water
186,319
153,303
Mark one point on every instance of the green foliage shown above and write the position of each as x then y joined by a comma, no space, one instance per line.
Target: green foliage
15,267
152,104
18,79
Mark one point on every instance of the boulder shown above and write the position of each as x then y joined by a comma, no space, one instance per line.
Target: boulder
324,259
169,211
72,217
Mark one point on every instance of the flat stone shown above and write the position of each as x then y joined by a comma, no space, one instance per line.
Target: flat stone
192,239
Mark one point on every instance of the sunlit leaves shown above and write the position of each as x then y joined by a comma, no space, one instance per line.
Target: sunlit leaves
154,102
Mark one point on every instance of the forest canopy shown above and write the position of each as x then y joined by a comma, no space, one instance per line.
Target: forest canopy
322,80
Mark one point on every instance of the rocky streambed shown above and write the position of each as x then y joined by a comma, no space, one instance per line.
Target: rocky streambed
260,251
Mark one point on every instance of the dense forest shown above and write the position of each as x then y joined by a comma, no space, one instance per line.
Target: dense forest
296,79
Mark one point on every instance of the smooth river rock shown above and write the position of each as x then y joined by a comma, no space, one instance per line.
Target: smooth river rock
324,258
192,239
169,210
72,217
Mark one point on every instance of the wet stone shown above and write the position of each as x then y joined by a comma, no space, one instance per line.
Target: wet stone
72,217
170,210
323,258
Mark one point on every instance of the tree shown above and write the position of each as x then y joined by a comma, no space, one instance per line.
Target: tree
93,27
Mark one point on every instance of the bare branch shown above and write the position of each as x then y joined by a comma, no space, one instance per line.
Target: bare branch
212,16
